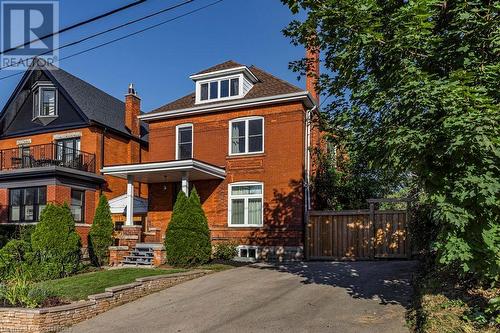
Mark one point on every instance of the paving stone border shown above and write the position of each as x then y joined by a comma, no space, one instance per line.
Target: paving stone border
53,319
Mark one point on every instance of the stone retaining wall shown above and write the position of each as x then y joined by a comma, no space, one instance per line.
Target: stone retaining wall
17,320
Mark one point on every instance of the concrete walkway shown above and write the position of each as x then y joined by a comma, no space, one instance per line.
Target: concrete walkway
309,297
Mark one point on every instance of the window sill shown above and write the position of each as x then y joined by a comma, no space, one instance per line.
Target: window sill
235,156
248,226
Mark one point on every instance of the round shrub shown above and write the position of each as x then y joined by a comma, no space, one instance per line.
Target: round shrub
14,254
101,233
56,243
187,240
225,250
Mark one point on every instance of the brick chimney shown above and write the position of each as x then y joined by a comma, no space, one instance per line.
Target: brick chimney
132,111
312,56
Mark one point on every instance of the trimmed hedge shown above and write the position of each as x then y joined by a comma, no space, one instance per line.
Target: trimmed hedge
101,233
55,243
187,240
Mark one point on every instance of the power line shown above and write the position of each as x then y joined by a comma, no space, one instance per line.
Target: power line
128,35
76,25
101,33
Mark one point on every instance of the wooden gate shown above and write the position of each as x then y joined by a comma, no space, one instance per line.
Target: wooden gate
357,234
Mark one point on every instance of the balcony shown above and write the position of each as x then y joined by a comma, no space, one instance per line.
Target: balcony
46,155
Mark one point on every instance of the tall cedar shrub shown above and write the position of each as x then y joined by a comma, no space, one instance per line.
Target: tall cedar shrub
187,240
56,243
101,233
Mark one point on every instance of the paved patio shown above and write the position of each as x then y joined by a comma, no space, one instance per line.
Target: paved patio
309,297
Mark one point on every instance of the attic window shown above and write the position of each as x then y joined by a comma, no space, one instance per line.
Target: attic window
44,102
220,89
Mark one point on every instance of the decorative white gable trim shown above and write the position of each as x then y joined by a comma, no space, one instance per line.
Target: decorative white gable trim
118,205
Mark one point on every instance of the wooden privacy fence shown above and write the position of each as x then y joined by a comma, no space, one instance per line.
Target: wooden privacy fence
357,234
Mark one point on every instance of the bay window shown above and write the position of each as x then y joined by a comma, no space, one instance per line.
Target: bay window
27,204
247,136
245,204
78,205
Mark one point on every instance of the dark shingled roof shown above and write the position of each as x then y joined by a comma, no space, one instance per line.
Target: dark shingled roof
93,102
225,65
268,85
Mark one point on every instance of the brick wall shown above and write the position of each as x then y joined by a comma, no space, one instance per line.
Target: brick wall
280,168
15,320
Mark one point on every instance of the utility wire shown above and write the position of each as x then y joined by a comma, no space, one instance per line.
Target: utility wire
101,33
129,35
76,25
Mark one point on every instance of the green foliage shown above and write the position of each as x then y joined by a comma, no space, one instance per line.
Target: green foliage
187,240
20,290
55,243
8,232
16,254
225,250
101,233
418,84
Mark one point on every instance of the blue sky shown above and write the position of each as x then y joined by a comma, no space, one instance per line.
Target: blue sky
159,61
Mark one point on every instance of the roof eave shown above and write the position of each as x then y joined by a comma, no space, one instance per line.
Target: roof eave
227,71
303,96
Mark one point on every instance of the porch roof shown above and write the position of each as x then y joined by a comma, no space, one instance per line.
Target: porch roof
168,171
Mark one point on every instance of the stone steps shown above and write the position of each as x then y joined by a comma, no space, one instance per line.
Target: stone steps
140,255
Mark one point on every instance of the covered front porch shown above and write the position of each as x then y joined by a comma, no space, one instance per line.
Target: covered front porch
156,174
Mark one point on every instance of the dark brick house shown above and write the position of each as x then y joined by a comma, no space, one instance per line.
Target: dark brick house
56,133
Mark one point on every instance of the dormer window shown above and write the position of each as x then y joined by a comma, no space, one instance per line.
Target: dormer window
44,102
219,89
223,85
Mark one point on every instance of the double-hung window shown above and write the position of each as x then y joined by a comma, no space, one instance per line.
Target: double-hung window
184,142
78,205
246,136
245,204
26,204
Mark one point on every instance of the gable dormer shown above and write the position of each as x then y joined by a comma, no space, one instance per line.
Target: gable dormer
223,82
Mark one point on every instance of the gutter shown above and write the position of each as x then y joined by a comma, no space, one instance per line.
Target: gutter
298,96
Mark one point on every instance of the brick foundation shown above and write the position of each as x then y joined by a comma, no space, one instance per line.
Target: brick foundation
15,320
131,236
117,254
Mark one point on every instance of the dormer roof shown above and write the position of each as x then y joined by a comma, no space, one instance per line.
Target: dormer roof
267,85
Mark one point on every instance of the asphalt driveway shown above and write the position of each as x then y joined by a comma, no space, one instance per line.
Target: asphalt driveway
309,297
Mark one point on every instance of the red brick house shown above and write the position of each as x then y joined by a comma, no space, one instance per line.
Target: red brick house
242,139
56,133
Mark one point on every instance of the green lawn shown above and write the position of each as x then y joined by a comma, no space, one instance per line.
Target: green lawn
79,286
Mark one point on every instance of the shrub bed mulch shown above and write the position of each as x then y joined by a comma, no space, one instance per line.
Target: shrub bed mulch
446,304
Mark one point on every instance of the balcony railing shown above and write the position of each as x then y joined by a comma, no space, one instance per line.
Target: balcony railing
50,154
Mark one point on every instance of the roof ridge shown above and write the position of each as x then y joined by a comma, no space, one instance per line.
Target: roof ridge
79,79
275,77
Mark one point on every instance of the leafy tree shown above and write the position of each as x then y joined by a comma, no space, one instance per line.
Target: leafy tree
187,240
56,243
101,233
418,84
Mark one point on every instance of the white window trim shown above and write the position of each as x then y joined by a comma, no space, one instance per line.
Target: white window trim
246,120
177,139
245,197
199,83
39,87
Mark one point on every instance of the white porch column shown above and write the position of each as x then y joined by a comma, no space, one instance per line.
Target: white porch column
185,183
130,201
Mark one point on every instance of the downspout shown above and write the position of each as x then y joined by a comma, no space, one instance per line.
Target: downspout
102,154
307,158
